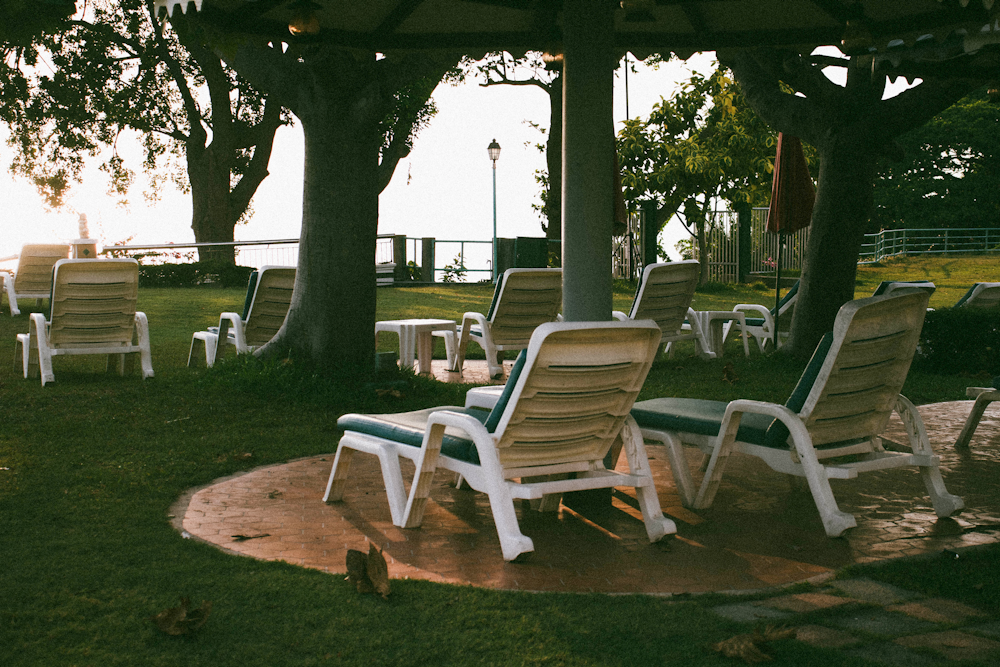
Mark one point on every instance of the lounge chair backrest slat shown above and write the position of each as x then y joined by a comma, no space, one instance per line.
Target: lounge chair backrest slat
527,298
864,371
272,297
34,268
575,392
665,293
93,302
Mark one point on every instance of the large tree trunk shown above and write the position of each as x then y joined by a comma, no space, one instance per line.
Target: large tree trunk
331,319
212,217
843,205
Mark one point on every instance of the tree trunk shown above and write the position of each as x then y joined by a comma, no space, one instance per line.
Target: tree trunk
702,239
330,320
212,219
843,205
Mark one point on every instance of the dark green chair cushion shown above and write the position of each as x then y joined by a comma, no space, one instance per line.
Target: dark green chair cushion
251,289
408,428
496,296
692,415
494,419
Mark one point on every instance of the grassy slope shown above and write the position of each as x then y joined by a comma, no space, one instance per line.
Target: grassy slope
93,463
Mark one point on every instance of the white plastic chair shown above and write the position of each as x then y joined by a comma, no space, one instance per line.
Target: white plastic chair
565,404
829,427
92,312
981,295
664,295
522,300
759,321
32,279
269,294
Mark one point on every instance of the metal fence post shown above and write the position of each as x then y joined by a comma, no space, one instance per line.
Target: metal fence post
427,259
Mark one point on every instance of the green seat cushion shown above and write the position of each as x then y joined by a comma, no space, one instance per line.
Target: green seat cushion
692,415
885,284
695,415
408,428
755,321
251,290
494,419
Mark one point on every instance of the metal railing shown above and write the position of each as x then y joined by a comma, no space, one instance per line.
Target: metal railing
895,242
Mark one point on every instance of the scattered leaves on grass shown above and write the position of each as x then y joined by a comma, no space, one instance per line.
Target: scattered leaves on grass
183,620
750,647
729,374
394,393
244,538
368,572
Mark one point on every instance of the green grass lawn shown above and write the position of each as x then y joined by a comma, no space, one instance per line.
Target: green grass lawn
90,465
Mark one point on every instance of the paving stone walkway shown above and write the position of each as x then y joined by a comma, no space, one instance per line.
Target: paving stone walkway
877,622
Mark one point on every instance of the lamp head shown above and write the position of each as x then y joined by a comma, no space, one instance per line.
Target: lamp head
494,150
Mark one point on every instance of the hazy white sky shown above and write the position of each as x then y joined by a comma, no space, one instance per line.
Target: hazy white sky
444,189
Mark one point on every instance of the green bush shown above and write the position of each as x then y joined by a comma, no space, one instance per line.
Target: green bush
960,340
194,274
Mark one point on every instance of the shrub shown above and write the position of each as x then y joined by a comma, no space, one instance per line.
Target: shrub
960,340
194,274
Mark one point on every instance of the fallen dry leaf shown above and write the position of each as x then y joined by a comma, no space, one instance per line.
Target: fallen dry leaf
183,620
729,374
750,647
368,572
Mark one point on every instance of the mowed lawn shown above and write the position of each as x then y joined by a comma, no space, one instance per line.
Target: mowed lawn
91,464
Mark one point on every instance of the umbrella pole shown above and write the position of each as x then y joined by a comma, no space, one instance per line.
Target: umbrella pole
777,290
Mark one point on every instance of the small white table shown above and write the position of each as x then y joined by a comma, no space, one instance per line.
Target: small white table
710,322
417,335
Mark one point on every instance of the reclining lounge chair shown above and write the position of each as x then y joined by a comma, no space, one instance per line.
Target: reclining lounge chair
760,320
522,300
33,277
92,312
269,294
838,409
565,404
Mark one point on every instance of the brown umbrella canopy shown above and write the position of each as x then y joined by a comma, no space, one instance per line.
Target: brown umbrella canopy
792,191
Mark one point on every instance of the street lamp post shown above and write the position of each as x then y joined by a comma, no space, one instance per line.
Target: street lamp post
494,150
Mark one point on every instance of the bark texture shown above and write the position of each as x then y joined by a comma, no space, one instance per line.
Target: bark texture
340,97
850,126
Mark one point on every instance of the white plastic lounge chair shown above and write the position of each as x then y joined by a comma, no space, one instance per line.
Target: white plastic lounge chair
523,299
33,277
842,402
565,404
888,287
761,324
983,397
664,295
269,294
981,295
92,312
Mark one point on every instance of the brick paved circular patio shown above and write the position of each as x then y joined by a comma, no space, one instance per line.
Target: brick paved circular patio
762,531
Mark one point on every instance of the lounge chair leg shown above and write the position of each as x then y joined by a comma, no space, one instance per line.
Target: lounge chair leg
338,475
835,521
972,422
680,468
657,525
945,504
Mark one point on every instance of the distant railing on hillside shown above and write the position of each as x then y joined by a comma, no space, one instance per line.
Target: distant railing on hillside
895,242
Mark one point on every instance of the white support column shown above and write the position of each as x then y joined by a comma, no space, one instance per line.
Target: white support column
587,159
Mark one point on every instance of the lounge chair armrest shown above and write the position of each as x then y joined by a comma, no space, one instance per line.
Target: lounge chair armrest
619,315
467,423
763,311
232,321
473,318
976,392
914,423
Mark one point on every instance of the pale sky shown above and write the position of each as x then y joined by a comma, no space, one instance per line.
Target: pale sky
444,189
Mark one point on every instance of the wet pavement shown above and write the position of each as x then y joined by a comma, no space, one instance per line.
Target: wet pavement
762,531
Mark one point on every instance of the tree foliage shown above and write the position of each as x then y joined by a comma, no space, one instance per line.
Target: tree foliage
949,171
701,145
72,94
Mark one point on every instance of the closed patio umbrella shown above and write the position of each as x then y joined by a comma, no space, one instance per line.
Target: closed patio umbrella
792,198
